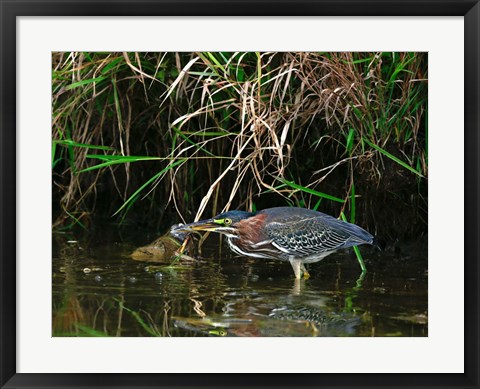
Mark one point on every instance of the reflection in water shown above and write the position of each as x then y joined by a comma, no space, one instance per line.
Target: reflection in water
260,319
99,291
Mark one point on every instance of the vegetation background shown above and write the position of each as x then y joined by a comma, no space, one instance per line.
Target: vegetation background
150,139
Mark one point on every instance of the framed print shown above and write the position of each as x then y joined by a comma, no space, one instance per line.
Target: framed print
214,193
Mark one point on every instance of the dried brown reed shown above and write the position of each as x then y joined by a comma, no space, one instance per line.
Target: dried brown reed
226,128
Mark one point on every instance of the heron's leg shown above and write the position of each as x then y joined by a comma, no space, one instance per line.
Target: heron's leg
297,267
306,274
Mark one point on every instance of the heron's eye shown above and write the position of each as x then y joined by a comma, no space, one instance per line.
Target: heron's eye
227,222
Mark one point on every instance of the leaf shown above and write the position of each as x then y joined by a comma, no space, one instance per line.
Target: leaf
350,137
84,145
115,160
142,323
161,172
54,147
393,158
352,204
84,82
355,248
311,191
125,158
113,63
90,331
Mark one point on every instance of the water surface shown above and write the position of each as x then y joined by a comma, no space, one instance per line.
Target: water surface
99,291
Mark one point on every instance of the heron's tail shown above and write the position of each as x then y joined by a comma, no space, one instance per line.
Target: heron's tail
376,244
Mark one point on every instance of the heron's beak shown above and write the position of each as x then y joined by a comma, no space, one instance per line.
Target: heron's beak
202,225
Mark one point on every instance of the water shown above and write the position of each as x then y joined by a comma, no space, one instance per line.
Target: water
99,291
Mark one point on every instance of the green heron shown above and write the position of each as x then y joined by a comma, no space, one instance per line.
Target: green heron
297,235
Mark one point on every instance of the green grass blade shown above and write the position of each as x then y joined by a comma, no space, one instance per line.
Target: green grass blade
115,160
350,137
214,60
112,64
125,158
202,74
83,145
355,248
54,147
160,173
90,331
84,82
117,104
311,191
317,204
393,158
77,221
187,139
142,323
352,204
100,166
360,259
357,61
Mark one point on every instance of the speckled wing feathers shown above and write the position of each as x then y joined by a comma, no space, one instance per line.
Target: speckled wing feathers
312,236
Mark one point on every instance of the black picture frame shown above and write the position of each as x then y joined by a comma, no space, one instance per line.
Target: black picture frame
9,10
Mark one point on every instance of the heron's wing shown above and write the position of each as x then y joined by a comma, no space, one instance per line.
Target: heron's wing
307,237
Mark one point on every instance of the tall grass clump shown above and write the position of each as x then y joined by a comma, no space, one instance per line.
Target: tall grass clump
140,135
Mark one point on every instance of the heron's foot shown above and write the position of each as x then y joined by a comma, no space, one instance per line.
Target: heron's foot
299,269
306,274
